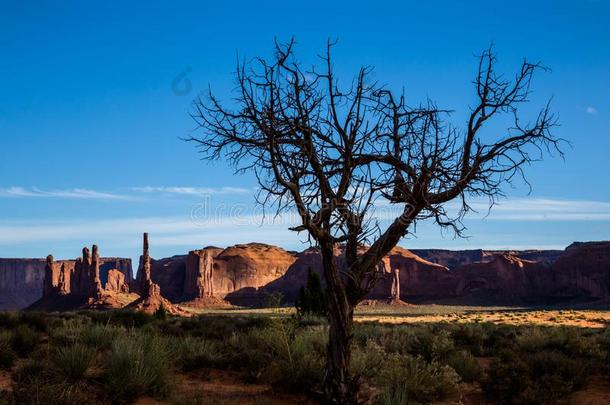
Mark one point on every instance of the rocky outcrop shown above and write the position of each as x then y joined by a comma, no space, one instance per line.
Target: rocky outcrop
199,276
116,282
71,284
212,275
151,299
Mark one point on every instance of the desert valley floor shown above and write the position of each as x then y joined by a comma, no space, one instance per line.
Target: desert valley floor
262,355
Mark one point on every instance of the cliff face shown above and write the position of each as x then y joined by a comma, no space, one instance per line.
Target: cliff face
583,270
236,273
246,274
456,258
21,282
503,279
403,275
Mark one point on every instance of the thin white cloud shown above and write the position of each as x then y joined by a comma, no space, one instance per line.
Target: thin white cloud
591,110
197,191
73,193
518,209
168,231
546,209
83,193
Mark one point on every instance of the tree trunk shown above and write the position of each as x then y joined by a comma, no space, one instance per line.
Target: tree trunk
338,385
339,388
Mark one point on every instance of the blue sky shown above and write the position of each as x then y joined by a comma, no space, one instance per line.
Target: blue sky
95,96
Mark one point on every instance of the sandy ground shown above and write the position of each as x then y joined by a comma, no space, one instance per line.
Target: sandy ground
581,318
224,387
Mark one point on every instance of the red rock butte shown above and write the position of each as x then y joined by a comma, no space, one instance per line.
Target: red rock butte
246,274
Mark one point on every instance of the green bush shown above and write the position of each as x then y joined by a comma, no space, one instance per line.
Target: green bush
35,384
160,313
418,340
39,321
72,361
570,341
194,353
212,327
473,337
367,360
100,336
7,354
9,320
416,380
392,396
137,365
123,317
282,353
24,340
535,378
302,366
465,364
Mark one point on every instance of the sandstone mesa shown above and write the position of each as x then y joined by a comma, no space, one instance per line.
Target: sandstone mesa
246,274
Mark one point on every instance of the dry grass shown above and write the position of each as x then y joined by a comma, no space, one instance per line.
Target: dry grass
584,318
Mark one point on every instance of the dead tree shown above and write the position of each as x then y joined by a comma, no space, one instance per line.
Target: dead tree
332,154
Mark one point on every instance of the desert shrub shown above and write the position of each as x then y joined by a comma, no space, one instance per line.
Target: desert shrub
363,332
69,331
541,378
311,299
38,321
570,341
532,339
472,336
295,355
499,336
137,365
465,364
8,320
214,327
282,353
412,379
367,360
394,397
247,352
312,320
81,329
7,354
122,317
304,368
36,383
420,340
72,361
195,353
273,300
160,313
100,336
24,340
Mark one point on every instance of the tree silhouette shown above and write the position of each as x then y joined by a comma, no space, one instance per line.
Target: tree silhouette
334,153
311,298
